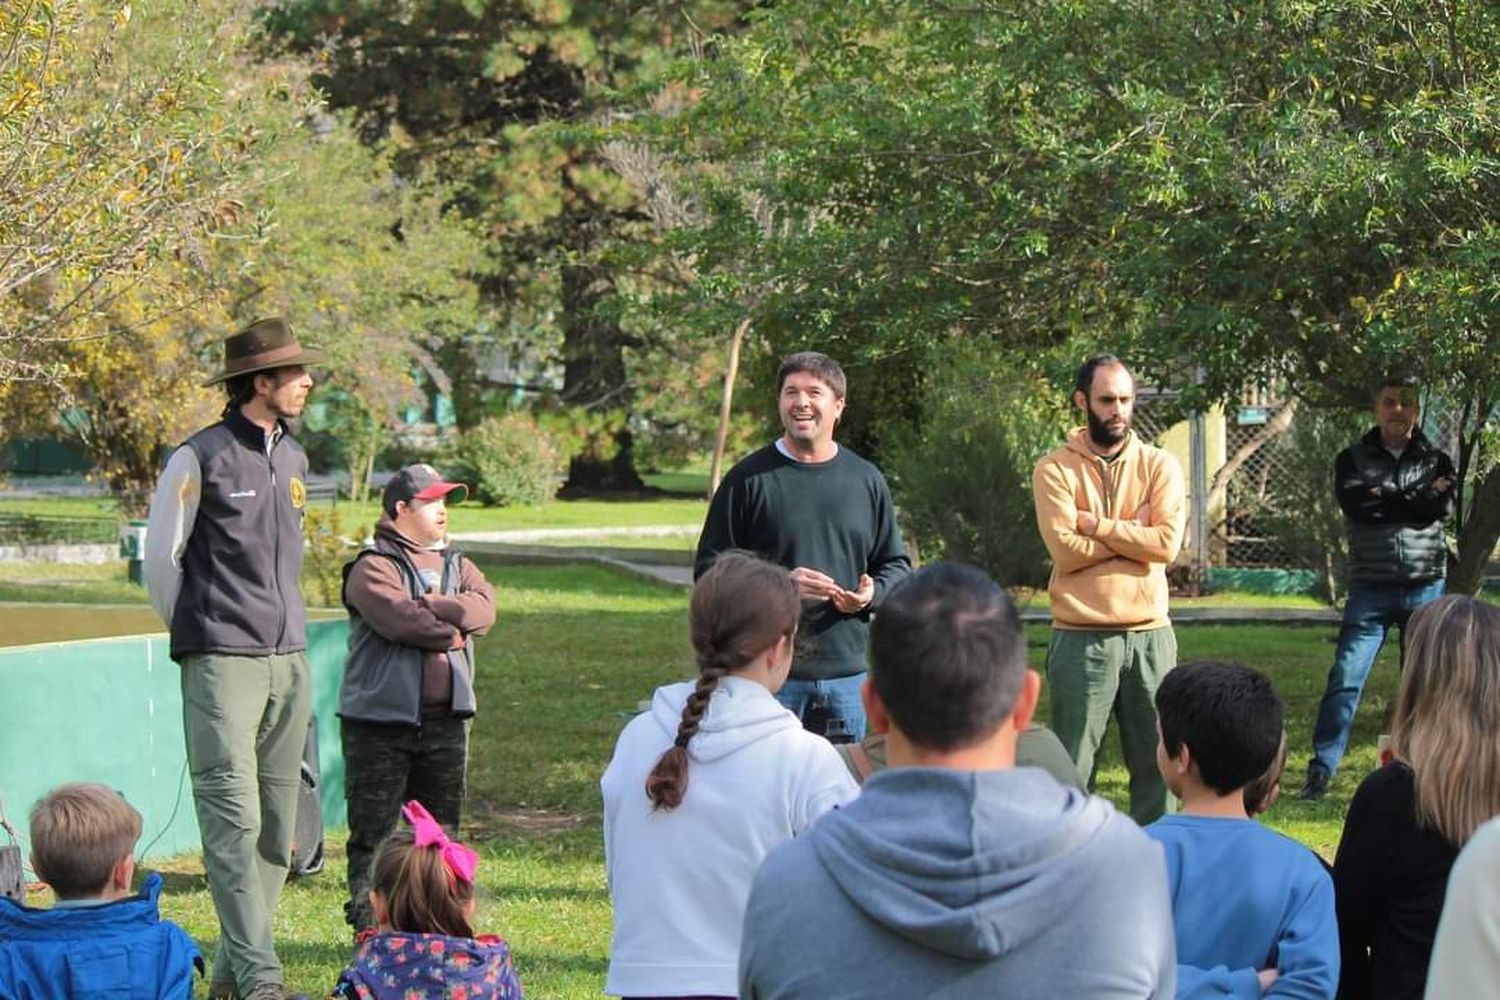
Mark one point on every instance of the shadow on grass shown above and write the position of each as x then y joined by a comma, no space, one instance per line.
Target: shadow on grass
322,953
178,883
570,577
521,892
542,960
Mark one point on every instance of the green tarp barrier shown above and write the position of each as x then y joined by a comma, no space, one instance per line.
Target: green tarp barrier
1263,581
110,710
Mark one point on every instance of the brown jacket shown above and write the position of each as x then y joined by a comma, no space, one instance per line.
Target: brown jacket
437,623
1115,578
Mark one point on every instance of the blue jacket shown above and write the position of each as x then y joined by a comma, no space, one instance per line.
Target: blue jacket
122,950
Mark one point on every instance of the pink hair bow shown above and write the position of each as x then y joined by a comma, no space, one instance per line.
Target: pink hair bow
461,860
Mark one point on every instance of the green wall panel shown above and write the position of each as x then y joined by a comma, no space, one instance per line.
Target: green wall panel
110,710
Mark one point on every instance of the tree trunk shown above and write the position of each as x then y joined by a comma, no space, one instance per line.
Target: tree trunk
726,404
594,378
1481,530
1271,430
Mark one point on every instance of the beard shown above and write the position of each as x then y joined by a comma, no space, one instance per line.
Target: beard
1101,433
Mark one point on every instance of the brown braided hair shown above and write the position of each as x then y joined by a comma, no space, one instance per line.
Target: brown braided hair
739,609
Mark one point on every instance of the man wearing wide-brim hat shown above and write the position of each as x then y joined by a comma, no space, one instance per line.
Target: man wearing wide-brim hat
222,562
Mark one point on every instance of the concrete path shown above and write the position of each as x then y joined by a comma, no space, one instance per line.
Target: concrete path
521,545
522,536
682,576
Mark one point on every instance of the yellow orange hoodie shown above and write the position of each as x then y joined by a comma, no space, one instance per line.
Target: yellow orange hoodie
1115,578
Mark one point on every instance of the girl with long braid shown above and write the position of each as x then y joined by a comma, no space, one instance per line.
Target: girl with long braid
704,784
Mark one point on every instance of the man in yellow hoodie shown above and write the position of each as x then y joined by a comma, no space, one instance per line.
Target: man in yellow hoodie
1111,511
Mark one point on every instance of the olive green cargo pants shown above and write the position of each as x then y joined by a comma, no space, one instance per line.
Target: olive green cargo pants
245,721
1093,674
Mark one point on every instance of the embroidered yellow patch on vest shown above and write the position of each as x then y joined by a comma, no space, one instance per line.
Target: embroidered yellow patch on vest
299,492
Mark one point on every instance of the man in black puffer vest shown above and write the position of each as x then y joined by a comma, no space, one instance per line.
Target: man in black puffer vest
222,562
1396,490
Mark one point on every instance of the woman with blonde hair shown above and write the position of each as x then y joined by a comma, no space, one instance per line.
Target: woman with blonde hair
703,784
1409,819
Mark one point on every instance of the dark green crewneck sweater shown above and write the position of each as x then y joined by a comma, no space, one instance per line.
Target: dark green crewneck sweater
835,517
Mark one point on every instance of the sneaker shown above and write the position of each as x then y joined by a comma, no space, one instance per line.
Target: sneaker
1316,785
273,991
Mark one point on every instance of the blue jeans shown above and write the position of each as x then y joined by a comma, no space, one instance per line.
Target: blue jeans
1368,616
838,696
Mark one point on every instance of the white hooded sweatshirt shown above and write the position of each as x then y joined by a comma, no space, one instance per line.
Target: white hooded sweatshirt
679,878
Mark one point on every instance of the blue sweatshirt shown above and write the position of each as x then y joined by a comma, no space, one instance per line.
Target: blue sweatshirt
1245,898
942,883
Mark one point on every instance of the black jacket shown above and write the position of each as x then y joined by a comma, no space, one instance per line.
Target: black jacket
241,565
1394,516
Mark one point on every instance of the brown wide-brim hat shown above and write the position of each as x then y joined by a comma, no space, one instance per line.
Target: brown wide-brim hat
261,346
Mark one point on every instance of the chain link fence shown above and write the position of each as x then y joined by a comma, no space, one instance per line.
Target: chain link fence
1266,496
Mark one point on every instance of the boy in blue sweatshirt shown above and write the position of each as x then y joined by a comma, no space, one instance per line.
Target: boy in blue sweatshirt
98,939
1253,910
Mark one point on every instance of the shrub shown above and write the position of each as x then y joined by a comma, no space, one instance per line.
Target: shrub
323,559
510,460
962,477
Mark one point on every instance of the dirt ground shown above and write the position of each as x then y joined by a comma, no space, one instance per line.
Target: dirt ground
23,624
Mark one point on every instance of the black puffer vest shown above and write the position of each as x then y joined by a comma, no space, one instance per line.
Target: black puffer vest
1398,550
241,565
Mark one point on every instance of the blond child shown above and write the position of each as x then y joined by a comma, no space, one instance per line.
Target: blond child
98,938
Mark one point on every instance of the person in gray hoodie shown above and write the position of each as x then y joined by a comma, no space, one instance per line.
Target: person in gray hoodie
956,873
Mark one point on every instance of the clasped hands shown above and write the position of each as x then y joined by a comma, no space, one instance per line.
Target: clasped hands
815,586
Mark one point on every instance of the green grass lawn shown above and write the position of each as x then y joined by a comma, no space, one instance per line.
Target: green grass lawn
69,583
462,517
575,650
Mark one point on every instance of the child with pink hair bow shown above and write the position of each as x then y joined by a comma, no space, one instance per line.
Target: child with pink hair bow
422,892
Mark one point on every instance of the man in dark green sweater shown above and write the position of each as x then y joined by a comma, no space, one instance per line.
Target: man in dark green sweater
826,514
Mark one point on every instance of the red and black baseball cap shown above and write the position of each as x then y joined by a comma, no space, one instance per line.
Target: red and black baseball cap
420,482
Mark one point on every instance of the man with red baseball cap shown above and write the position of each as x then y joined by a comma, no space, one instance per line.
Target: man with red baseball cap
415,605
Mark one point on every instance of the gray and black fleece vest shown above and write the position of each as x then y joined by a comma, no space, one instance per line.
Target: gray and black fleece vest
383,679
241,593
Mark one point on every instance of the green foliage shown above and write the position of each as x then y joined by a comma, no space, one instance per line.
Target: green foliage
470,92
962,475
1284,192
370,268
511,461
324,556
118,152
1295,503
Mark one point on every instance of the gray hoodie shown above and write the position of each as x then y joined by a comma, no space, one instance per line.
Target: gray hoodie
959,883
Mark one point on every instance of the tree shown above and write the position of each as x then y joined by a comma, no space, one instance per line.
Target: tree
1284,191
107,165
465,90
319,228
369,267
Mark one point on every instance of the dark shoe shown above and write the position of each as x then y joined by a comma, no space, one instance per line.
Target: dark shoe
273,991
1316,785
